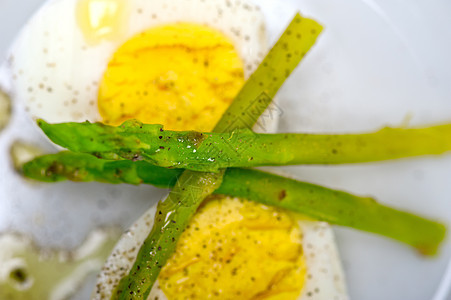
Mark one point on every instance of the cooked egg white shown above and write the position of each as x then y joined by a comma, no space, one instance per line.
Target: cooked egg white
69,55
236,249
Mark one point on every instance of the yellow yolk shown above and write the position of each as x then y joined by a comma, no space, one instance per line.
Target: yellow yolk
102,19
236,249
183,76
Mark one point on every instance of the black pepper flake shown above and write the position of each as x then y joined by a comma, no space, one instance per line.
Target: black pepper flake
282,195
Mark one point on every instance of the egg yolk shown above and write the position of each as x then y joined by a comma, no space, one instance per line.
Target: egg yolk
236,249
182,75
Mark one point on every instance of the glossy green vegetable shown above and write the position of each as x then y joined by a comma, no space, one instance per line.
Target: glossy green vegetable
320,203
81,167
243,148
192,187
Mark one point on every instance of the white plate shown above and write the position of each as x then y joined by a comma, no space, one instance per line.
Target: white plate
376,63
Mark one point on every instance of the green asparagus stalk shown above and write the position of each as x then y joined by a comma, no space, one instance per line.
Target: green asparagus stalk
320,203
192,187
243,148
82,167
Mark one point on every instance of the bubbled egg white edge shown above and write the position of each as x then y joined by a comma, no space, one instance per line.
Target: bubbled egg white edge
55,73
324,278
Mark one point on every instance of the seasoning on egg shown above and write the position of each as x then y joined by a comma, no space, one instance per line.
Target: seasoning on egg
58,60
181,75
236,248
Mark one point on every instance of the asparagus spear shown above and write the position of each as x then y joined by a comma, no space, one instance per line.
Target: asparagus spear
82,167
320,203
192,187
210,152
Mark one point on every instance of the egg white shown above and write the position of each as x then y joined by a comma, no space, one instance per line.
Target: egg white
324,278
55,70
